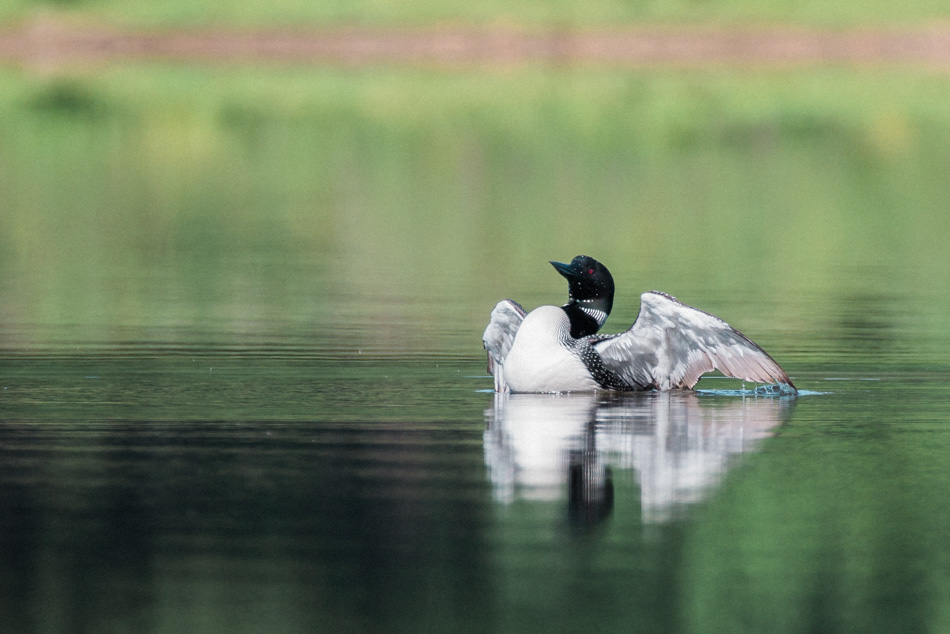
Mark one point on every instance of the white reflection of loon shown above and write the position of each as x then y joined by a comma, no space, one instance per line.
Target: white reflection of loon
678,444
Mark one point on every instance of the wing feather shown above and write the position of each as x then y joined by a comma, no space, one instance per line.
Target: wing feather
671,345
505,320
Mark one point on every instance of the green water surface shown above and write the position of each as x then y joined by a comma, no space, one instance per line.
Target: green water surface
242,386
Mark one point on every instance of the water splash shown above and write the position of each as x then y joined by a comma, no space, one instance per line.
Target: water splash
775,389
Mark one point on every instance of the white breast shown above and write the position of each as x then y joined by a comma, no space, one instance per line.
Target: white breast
540,362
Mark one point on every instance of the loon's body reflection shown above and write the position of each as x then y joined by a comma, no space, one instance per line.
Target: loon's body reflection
678,444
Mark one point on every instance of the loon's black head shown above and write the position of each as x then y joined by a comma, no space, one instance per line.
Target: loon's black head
591,292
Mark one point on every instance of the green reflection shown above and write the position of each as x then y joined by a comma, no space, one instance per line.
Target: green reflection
160,197
840,529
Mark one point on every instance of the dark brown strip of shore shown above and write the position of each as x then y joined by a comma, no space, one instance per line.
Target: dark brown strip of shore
50,43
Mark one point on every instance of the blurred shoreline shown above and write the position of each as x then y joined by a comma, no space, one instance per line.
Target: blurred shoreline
52,43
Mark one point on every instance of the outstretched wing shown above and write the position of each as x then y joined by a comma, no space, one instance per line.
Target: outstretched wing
506,318
671,345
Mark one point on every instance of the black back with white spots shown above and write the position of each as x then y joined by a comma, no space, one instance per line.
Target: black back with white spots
606,378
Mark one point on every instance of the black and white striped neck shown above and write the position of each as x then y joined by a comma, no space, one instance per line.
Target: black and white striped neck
587,315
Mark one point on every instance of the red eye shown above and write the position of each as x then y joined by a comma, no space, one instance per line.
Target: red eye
590,271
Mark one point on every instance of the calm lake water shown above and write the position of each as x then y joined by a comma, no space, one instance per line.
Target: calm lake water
167,484
242,386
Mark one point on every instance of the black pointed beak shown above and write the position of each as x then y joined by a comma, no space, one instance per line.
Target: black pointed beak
566,270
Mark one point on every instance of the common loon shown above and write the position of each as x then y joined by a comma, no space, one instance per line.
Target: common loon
669,346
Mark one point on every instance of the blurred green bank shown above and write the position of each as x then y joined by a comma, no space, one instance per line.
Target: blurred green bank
460,185
528,12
